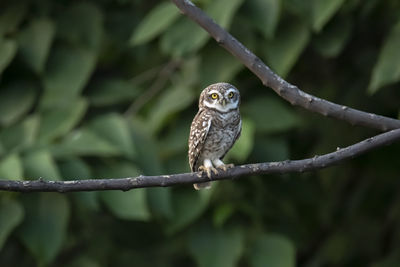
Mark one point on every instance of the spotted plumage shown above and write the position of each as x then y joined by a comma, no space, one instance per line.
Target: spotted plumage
214,129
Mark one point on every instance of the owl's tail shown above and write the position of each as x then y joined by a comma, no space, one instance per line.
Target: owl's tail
205,185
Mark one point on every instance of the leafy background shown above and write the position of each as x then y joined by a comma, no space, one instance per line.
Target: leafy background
107,89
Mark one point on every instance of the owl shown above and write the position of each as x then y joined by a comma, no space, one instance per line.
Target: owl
214,130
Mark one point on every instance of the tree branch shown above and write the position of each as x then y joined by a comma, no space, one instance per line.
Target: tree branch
310,164
286,90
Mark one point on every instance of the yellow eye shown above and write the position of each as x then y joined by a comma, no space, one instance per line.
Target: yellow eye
214,96
230,95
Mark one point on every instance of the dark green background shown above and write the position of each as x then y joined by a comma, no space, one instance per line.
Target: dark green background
108,89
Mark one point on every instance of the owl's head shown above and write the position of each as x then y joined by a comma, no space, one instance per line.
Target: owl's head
222,97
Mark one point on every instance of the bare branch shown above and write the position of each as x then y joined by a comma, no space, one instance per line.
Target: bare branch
286,90
317,162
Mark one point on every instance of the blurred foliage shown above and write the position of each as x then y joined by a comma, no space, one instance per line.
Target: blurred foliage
108,88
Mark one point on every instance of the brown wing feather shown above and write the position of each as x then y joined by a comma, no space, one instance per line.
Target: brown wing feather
199,129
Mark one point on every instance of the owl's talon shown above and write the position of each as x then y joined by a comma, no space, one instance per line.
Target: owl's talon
208,170
205,170
225,167
208,173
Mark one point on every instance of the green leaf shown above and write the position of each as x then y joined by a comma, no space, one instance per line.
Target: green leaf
116,169
223,11
40,164
301,8
270,114
160,202
323,11
45,226
74,168
35,42
171,142
84,261
11,167
2,149
387,69
158,19
146,147
272,250
176,163
67,73
112,91
222,214
264,15
22,135
171,101
15,101
11,17
337,246
12,214
283,51
82,26
8,49
270,149
332,40
114,129
183,209
185,36
130,205
58,121
218,65
243,147
390,261
182,38
84,142
216,247
189,76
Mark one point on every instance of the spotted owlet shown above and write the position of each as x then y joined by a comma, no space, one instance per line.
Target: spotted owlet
214,130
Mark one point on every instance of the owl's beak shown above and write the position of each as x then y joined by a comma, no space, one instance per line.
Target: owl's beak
223,102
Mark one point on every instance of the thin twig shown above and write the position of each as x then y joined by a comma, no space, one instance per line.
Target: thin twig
145,75
286,90
310,164
157,85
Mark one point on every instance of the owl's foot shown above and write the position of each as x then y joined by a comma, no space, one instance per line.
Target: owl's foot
225,167
221,165
208,170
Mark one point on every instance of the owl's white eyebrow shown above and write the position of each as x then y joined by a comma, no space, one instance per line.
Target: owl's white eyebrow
231,90
213,92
